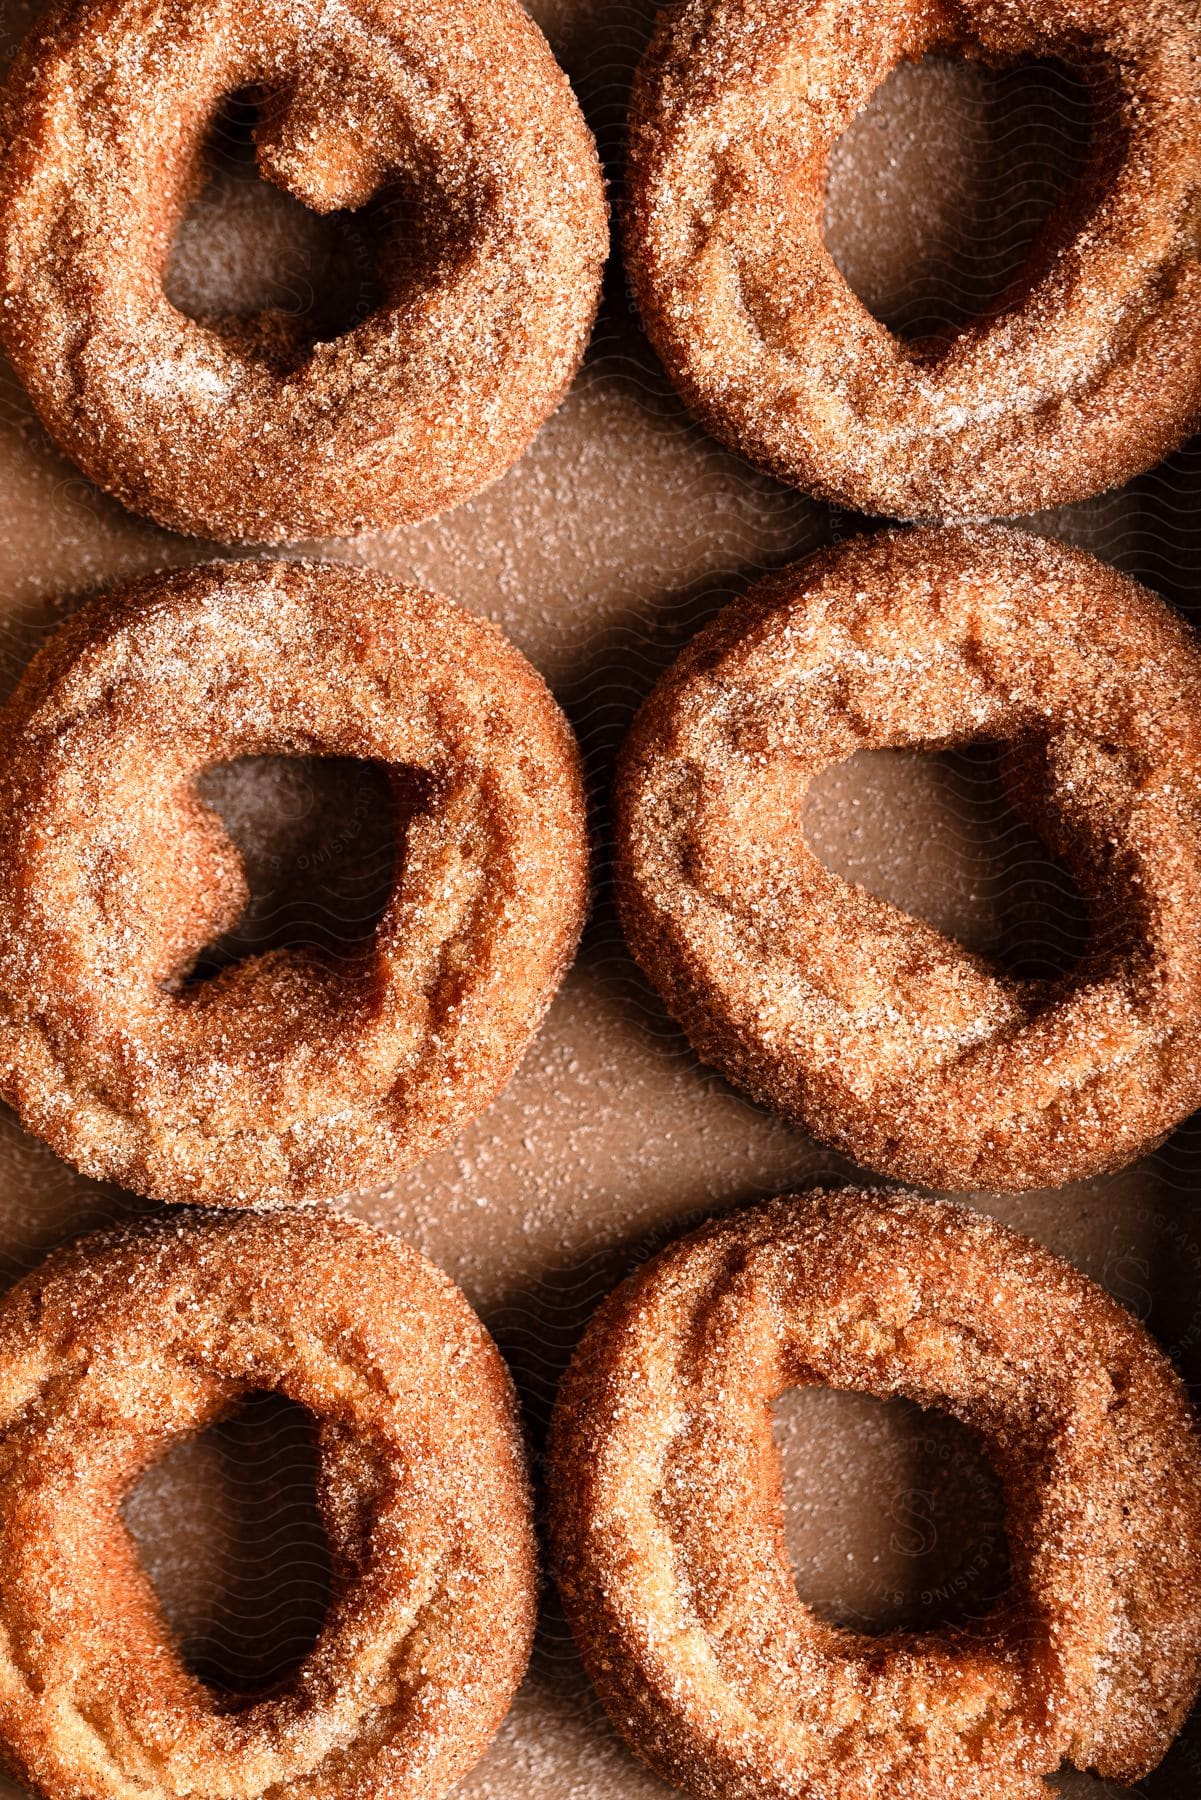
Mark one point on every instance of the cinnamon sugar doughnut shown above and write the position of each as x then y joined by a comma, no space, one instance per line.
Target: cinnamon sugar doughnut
493,234
1087,373
862,1024
289,1076
121,1346
667,1525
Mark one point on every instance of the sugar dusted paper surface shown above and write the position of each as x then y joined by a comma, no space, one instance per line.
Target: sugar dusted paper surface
621,531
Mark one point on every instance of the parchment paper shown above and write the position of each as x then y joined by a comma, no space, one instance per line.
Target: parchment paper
621,531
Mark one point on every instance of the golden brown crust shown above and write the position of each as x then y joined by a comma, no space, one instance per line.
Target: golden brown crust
667,1523
455,108
862,1024
1089,374
120,1346
288,1077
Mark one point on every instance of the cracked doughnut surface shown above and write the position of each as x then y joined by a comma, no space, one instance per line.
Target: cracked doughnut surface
1084,374
667,1527
451,115
290,1076
123,1344
866,1026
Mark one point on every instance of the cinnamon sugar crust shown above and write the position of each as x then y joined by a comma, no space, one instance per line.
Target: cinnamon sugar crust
122,1345
453,114
289,1076
1085,374
864,1025
667,1520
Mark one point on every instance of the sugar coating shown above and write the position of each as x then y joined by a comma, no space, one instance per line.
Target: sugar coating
494,235
125,1343
870,1028
666,1513
1087,372
289,1077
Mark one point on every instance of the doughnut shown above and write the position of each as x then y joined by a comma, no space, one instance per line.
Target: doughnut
1083,375
865,1026
124,1344
490,214
667,1523
290,1076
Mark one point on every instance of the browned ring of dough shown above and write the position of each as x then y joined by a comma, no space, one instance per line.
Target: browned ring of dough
122,1345
288,1077
860,1023
1089,373
667,1527
453,112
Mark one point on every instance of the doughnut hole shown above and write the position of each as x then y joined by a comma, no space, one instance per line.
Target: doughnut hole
944,192
935,834
319,840
254,263
893,1517
229,1532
